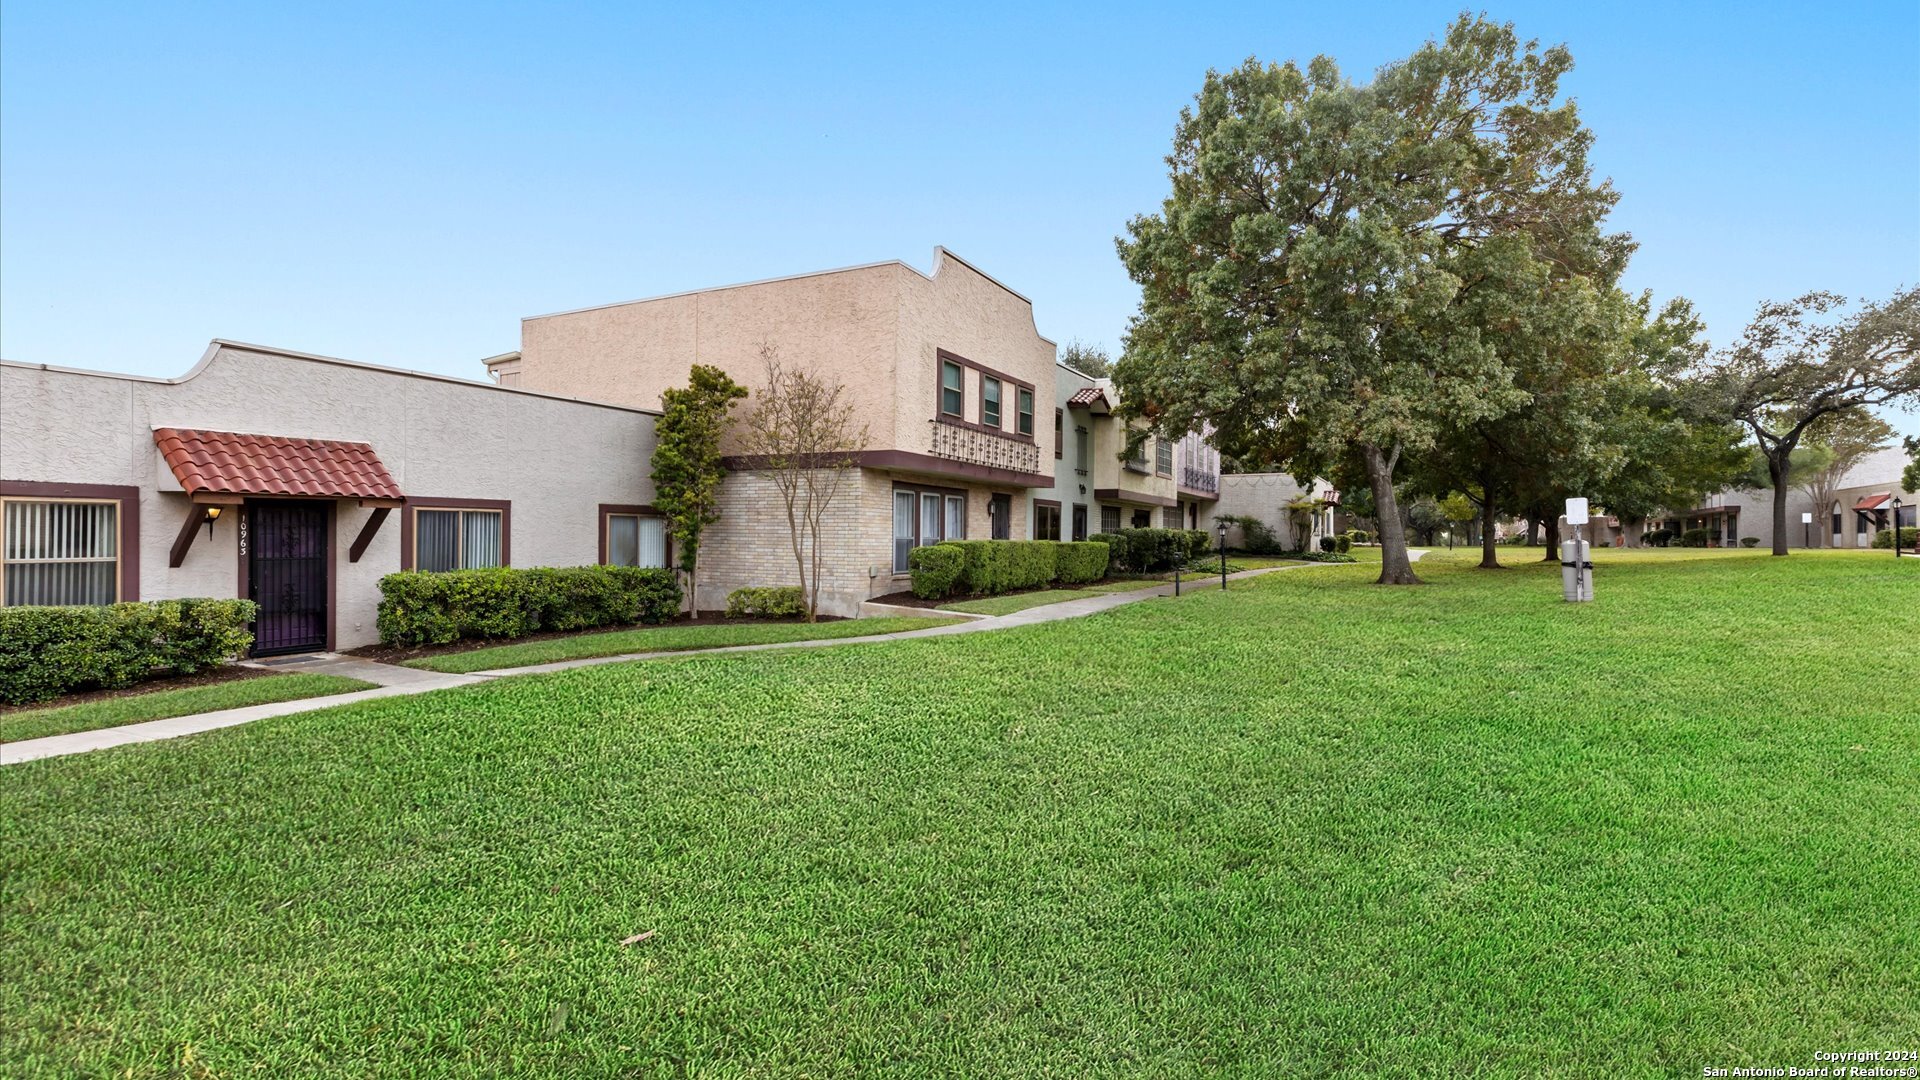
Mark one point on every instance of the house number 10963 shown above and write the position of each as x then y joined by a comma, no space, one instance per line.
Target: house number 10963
243,532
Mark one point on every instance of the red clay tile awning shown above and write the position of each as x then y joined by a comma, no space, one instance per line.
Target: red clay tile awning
229,463
1088,395
1873,502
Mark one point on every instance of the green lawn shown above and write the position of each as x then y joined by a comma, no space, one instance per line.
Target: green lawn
161,704
665,639
1303,827
1006,605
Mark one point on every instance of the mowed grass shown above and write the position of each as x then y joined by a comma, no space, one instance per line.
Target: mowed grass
1006,605
161,704
1305,826
712,635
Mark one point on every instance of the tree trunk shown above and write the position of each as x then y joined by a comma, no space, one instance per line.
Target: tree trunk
1395,567
1533,531
1489,551
1779,465
1553,541
693,586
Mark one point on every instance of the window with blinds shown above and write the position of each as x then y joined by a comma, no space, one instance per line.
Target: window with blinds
59,552
456,539
636,540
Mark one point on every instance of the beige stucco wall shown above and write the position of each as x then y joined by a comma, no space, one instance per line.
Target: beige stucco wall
876,329
555,460
1265,496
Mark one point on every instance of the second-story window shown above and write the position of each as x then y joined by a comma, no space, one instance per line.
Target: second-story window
952,398
1163,459
1023,411
1059,433
990,401
1081,452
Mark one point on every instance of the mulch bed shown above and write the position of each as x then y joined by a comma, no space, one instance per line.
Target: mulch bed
908,599
207,677
395,654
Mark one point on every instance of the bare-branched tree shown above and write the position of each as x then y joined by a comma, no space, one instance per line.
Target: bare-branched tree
803,431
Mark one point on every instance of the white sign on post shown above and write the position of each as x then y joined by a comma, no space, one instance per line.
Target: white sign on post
1576,511
1806,518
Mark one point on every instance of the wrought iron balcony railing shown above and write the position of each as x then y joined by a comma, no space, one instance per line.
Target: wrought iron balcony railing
977,447
1195,479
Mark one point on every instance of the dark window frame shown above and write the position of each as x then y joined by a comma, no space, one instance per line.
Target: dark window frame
959,392
1023,417
919,491
940,415
1162,456
999,399
1059,433
409,532
1044,509
127,520
1079,526
609,511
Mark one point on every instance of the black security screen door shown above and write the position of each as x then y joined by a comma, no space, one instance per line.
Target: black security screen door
287,576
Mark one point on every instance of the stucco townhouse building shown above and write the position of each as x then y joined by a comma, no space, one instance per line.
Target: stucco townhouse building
973,429
1101,485
299,481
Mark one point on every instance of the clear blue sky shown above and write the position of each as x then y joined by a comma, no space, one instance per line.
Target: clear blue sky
400,183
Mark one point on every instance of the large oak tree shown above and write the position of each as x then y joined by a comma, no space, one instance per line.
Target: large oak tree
1340,269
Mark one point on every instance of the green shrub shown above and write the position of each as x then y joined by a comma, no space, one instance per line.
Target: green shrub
1327,544
421,608
49,651
1256,536
1884,538
936,570
1749,541
1081,562
1023,564
1149,551
767,601
1694,538
1343,543
976,577
1360,536
1321,556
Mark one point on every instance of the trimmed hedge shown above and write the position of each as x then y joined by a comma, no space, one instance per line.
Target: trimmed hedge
1884,538
1693,538
1081,561
423,608
1150,551
49,651
767,601
936,569
986,567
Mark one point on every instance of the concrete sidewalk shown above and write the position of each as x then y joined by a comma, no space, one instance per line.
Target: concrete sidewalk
394,681
389,680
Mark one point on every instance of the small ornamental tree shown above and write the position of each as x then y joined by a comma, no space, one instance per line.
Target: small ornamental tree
686,460
1910,476
1803,360
804,433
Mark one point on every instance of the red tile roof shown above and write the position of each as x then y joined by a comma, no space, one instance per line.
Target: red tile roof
1087,396
1873,502
232,463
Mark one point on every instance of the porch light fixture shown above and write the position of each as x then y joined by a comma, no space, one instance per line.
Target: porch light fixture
213,515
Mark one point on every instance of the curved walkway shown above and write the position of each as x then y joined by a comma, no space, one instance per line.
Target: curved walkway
395,681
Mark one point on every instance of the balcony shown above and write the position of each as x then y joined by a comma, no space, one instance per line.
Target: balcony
1197,479
976,447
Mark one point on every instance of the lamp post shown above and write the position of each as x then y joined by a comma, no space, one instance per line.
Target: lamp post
1806,529
1896,528
1221,525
